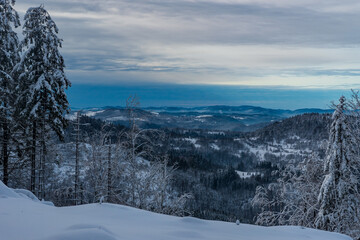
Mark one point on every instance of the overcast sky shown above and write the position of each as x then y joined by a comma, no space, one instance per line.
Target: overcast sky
293,43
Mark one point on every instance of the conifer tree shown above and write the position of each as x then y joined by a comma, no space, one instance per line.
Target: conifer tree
42,84
339,197
9,56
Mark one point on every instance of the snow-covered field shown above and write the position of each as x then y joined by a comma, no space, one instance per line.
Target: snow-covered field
277,149
24,218
247,174
193,141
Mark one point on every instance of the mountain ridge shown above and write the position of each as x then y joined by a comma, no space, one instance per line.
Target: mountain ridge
244,118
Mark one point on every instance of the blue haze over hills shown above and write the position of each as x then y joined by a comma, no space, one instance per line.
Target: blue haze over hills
159,95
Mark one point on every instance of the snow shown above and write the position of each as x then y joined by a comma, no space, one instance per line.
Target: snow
23,218
93,113
296,137
193,141
6,192
247,174
216,133
119,118
214,146
280,149
201,118
238,118
63,171
123,118
71,117
26,194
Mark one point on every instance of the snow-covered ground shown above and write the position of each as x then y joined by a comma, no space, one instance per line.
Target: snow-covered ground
277,149
93,113
247,174
216,133
214,146
23,218
193,141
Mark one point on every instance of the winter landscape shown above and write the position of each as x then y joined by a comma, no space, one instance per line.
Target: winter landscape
162,119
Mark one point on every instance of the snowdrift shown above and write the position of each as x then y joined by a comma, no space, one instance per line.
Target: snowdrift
23,217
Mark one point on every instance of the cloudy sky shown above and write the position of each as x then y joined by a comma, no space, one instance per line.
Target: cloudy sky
298,44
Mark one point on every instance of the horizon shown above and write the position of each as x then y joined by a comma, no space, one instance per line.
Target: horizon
166,95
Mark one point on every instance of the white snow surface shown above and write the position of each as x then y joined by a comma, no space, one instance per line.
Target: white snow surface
279,149
193,141
214,146
216,133
247,174
6,192
93,113
23,218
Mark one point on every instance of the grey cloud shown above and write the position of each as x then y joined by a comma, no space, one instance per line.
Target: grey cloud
220,23
123,35
324,72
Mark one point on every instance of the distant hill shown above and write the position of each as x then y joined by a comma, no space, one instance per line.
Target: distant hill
224,118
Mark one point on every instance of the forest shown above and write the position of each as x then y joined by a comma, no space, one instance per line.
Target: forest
302,170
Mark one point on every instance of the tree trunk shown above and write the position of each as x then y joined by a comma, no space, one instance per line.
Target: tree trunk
42,162
5,152
109,175
33,159
77,161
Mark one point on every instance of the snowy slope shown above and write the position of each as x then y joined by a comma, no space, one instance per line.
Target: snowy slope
22,218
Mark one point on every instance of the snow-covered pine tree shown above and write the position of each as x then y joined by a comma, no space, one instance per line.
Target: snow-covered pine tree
9,56
339,198
42,85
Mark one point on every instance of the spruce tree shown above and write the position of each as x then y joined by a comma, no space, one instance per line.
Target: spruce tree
8,58
42,85
339,198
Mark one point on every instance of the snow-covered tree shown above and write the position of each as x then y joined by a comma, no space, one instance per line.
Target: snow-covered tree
165,173
339,198
270,202
307,187
42,84
9,56
98,166
137,147
293,199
